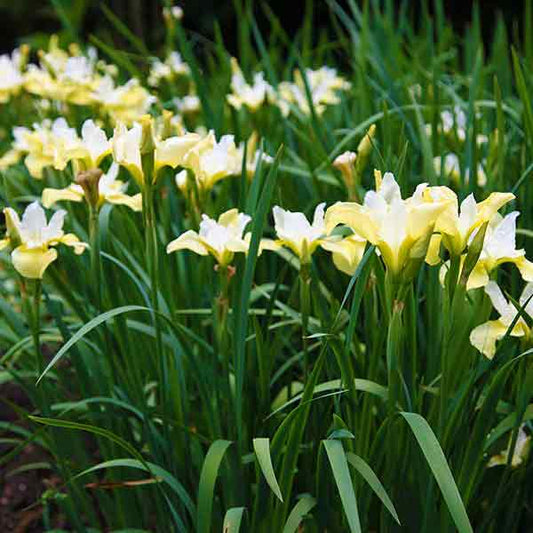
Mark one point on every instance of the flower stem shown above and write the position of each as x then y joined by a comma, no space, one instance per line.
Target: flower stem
94,240
150,233
35,324
305,304
222,303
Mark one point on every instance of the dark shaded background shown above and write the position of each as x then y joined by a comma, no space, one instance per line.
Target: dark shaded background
33,20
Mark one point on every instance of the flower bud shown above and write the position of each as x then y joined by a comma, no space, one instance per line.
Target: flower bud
147,139
345,163
24,55
363,152
166,129
89,180
377,179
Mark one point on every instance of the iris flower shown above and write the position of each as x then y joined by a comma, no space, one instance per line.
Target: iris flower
171,151
251,96
295,232
499,247
33,240
485,336
110,190
221,238
401,229
457,225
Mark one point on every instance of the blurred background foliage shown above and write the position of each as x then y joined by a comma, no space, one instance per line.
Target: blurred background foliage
32,21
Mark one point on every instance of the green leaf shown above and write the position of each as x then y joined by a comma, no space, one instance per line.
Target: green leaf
95,430
362,385
523,92
95,322
304,505
262,452
233,520
153,470
441,471
375,484
341,473
125,31
206,487
241,311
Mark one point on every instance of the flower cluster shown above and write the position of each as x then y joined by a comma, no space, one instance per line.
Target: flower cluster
74,78
323,86
466,239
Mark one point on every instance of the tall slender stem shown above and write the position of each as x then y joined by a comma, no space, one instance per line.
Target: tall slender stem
222,304
305,305
150,234
94,240
35,324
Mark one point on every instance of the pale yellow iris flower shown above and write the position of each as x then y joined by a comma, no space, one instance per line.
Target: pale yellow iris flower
211,160
127,144
63,76
220,238
54,144
252,96
450,168
324,86
295,232
454,126
485,336
168,70
11,77
32,239
499,247
110,190
80,79
123,103
49,144
400,229
457,225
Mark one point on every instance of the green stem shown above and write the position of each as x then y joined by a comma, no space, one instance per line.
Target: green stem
305,305
222,303
94,240
150,234
35,324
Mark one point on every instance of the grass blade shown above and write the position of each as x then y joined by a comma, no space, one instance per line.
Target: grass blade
233,520
206,488
375,484
304,505
262,452
341,473
441,471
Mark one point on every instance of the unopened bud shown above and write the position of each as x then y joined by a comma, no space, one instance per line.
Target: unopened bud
166,127
89,180
24,55
363,151
345,163
74,49
365,146
377,179
147,139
